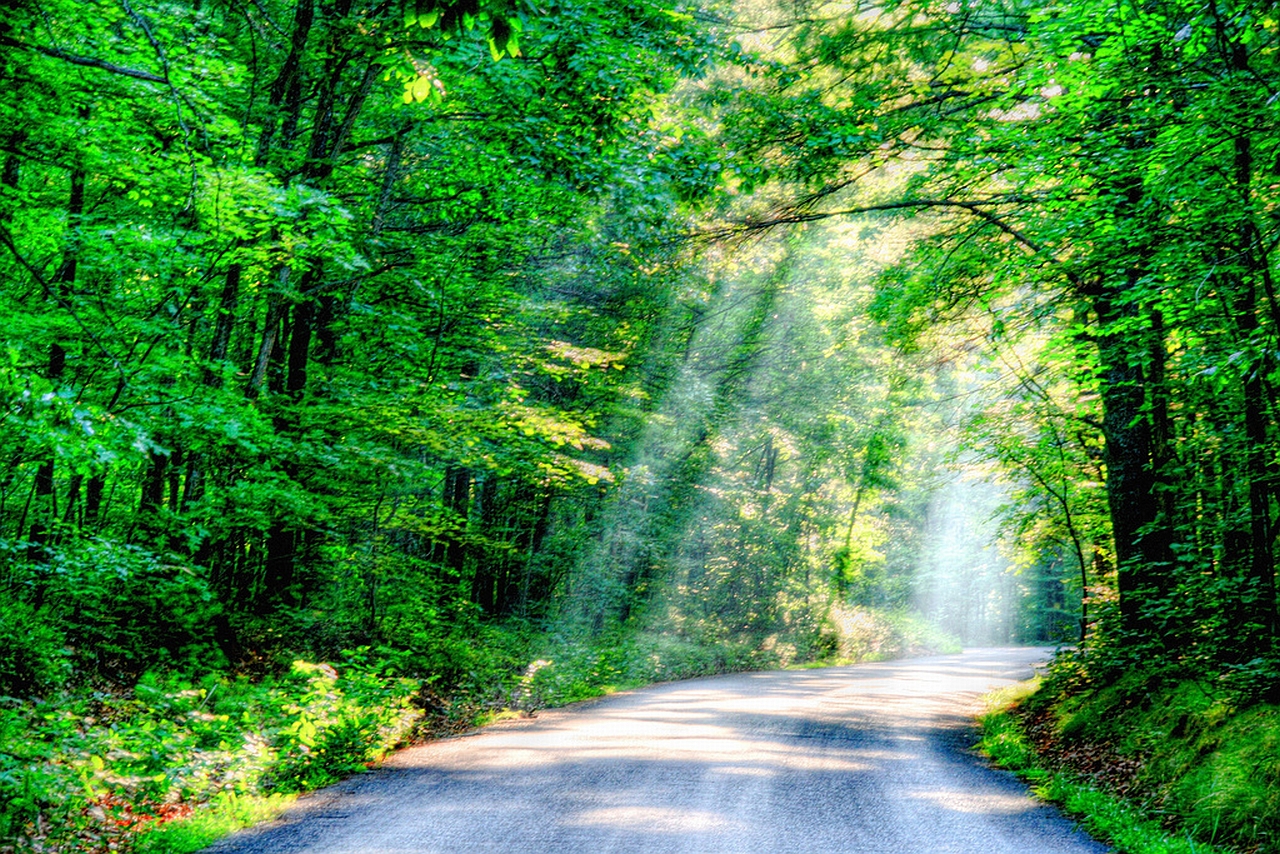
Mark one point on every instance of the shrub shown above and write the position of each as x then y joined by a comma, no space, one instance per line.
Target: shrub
337,724
126,610
33,658
867,634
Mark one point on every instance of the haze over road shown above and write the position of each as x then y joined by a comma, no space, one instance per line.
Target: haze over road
868,759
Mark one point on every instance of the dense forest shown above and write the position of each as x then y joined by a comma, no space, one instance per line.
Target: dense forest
493,353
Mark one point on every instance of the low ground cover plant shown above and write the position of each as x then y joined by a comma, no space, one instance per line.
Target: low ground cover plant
1155,760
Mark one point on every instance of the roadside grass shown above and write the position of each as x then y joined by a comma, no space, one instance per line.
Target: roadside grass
1202,776
222,816
1209,755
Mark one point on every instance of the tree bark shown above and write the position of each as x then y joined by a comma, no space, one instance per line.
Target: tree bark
1144,557
45,507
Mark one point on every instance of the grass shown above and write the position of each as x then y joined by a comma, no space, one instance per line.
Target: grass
1198,775
222,816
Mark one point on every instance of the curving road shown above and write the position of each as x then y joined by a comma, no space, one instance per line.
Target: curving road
868,759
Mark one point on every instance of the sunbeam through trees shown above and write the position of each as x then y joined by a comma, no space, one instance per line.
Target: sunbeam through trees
500,354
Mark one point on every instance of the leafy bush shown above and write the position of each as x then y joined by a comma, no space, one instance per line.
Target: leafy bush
108,610
577,669
90,772
867,634
33,658
660,657
336,726
1255,681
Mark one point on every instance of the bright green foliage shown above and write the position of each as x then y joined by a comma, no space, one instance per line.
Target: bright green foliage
106,766
332,326
283,350
1091,189
331,733
1203,752
225,814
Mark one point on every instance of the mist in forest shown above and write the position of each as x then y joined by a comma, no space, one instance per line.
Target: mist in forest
964,583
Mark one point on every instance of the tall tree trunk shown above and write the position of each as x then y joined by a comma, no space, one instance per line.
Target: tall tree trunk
457,498
1144,556
284,100
45,510
1258,617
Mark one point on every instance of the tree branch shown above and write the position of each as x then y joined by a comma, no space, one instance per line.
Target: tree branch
976,209
86,61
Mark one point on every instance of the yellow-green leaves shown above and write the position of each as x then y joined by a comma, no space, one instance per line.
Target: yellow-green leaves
502,22
423,88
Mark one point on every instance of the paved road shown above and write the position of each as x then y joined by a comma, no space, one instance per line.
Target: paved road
868,759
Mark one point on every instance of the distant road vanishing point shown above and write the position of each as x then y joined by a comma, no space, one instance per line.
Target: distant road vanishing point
872,759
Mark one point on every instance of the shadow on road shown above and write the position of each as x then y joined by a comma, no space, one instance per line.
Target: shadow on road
857,759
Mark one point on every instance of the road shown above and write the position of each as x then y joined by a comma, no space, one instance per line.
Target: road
870,759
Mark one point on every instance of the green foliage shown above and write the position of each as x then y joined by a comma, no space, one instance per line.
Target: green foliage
668,658
1254,681
363,336
334,727
33,654
1202,747
101,767
226,813
1002,739
1079,181
1129,827
572,670
869,634
125,610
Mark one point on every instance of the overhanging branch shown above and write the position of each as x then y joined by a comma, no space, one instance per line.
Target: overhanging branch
978,210
85,61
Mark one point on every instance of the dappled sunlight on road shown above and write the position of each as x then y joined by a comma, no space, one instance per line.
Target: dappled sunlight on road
649,819
869,759
986,803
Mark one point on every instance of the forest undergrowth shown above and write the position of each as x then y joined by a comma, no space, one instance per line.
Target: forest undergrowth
1158,760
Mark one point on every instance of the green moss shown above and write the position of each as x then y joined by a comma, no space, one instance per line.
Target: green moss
1125,826
1205,764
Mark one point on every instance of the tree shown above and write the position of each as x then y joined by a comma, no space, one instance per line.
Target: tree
1096,168
282,316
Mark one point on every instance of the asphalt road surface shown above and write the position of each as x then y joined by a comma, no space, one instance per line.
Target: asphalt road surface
871,758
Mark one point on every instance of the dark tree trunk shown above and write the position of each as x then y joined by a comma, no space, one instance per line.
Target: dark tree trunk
1143,539
486,586
457,498
45,508
278,569
1258,616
